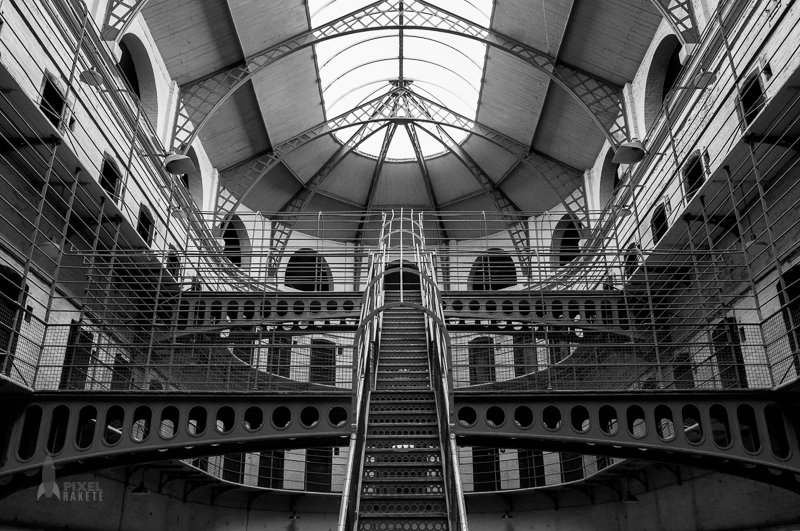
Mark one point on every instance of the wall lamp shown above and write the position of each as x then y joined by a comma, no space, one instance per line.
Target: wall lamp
701,80
629,152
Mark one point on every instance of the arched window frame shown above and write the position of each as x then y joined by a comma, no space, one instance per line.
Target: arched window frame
566,245
321,278
493,270
659,220
146,224
110,168
661,77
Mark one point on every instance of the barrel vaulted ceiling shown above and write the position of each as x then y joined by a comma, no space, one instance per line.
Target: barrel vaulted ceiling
420,83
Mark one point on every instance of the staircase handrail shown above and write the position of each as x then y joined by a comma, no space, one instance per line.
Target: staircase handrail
364,349
437,334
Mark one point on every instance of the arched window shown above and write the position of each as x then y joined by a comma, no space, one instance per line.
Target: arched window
664,71
110,178
751,100
658,222
11,287
609,179
693,175
493,270
52,103
145,226
308,271
631,259
236,241
193,182
173,262
128,68
136,70
566,240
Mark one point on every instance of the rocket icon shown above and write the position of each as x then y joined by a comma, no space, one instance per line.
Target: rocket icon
48,488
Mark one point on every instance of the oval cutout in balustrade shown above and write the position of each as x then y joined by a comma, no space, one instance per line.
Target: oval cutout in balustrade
579,417
170,419
30,432
249,310
720,426
198,418
467,416
115,417
87,421
140,429
226,417
778,439
692,427
637,424
58,429
609,421
253,418
495,417
281,417
337,417
309,417
523,417
665,424
551,418
748,428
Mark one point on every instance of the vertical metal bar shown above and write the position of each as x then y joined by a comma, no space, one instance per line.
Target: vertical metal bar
16,325
57,270
154,319
750,274
134,132
771,236
656,346
705,316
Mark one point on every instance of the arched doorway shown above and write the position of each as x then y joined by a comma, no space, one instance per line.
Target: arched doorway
394,275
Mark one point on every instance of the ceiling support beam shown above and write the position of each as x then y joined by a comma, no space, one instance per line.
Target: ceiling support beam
679,14
516,223
119,17
561,178
601,99
250,173
282,228
373,183
426,177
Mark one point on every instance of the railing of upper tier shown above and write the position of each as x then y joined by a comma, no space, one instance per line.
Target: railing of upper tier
365,348
690,314
441,377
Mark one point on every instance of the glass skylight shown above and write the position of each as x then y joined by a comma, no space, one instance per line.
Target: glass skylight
442,67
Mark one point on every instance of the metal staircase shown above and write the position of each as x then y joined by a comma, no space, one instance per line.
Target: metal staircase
403,471
402,484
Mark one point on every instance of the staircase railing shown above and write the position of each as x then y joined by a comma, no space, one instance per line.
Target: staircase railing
441,379
365,348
